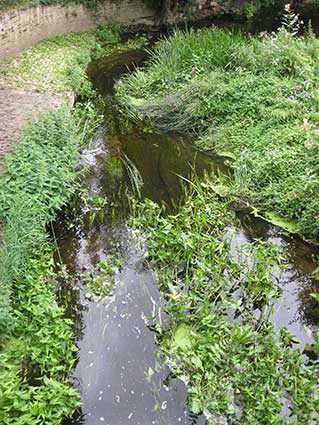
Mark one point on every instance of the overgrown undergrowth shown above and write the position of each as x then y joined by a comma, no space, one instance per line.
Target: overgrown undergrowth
37,349
254,99
220,340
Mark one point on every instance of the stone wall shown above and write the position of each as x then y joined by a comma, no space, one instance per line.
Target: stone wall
20,29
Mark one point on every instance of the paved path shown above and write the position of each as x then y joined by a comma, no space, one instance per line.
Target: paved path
16,107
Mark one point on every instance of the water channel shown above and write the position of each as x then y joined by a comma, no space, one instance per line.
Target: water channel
120,372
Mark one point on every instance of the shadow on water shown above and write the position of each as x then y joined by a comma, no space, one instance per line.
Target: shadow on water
120,374
105,71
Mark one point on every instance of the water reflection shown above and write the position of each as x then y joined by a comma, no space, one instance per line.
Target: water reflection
296,307
121,377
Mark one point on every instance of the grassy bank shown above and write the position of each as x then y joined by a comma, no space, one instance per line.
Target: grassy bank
253,99
37,349
219,339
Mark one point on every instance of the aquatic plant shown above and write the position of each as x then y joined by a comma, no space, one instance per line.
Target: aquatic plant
99,280
133,174
219,338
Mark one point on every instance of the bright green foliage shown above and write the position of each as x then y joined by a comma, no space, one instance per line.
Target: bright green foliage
256,98
239,368
38,178
37,359
49,145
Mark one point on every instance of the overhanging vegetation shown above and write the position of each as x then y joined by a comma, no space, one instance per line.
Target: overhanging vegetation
37,349
36,340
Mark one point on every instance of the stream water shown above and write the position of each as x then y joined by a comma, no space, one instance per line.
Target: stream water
120,373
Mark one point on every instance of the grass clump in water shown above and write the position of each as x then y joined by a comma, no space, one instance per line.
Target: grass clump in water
219,339
36,344
254,97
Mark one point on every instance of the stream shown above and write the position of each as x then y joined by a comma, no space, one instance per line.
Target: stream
120,373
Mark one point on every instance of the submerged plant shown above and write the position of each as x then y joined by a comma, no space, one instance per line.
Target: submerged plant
99,281
133,174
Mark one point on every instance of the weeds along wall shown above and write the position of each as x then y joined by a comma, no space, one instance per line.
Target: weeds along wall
21,29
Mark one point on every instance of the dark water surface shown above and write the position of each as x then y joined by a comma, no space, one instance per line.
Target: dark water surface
120,373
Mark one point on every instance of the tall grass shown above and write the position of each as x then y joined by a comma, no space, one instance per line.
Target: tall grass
255,97
185,55
179,58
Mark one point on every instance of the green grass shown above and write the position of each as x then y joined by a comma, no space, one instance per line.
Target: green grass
256,98
219,339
